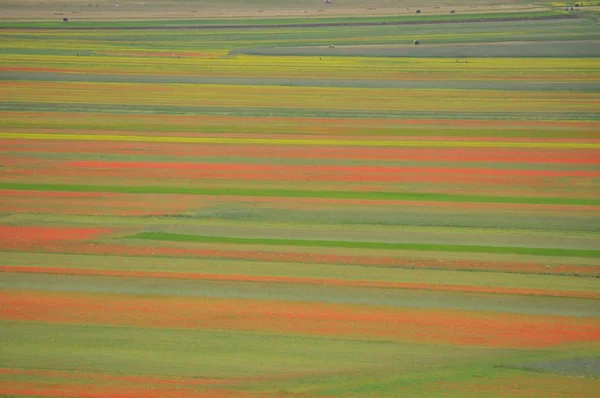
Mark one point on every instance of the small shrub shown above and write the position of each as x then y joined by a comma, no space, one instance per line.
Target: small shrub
416,42
65,19
418,11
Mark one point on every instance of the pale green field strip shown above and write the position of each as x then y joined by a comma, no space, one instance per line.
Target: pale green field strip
219,42
350,69
318,271
247,23
299,99
387,383
389,44
286,141
77,76
532,219
390,235
543,305
429,197
459,382
406,259
578,232
19,122
292,112
368,245
564,192
214,218
325,365
588,366
380,233
542,49
184,352
274,160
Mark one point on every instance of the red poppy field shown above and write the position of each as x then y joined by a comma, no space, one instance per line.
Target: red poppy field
181,216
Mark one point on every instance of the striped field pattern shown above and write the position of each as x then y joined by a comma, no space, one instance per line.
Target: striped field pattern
260,226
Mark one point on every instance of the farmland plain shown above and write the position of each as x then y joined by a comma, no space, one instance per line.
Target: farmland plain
272,200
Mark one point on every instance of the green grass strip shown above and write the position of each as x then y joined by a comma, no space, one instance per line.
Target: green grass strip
367,245
292,193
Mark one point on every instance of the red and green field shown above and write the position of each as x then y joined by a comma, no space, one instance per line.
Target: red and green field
293,200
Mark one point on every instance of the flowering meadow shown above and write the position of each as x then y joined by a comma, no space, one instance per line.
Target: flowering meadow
242,209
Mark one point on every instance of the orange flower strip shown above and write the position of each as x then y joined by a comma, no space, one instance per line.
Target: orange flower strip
301,173
30,201
58,389
54,383
97,203
458,327
375,173
16,234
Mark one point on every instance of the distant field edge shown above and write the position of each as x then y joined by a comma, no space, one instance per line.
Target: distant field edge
163,236
290,193
292,22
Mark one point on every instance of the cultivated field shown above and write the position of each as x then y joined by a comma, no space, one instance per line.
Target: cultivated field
271,200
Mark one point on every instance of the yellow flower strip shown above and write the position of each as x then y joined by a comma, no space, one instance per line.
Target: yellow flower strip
264,141
266,97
